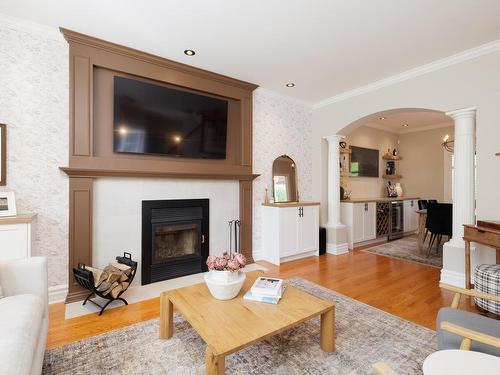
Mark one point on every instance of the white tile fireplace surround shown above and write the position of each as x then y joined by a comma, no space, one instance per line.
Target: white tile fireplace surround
118,213
117,210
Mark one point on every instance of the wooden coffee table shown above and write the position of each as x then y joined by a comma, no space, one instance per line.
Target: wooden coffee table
228,326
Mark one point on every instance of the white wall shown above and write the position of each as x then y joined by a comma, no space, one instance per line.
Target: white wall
473,82
34,105
280,126
423,166
118,212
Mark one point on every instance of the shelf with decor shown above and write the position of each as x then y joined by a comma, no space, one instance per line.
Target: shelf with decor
345,150
391,157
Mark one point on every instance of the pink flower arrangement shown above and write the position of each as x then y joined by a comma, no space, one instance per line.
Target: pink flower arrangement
226,262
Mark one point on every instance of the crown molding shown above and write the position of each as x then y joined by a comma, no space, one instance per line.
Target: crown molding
30,27
283,96
458,58
410,130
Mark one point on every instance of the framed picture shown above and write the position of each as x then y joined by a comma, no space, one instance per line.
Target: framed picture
3,154
7,204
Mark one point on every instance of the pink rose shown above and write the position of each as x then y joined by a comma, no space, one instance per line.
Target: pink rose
220,263
211,262
233,265
240,258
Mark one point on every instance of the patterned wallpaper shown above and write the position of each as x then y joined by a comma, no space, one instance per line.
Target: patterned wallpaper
280,126
34,105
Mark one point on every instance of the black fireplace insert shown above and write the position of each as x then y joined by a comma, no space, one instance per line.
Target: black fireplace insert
175,238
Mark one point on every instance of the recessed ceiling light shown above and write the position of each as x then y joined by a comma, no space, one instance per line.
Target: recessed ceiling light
405,125
189,52
382,118
290,84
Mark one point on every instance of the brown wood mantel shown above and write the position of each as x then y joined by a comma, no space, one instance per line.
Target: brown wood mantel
94,173
93,64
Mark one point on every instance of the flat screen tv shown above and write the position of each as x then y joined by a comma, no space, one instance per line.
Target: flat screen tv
364,162
155,119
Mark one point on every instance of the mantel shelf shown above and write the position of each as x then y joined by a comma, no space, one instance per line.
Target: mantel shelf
87,172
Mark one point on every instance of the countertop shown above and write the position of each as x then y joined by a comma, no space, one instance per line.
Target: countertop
291,204
18,219
380,199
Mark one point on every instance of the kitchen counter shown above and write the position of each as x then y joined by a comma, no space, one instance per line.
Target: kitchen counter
380,199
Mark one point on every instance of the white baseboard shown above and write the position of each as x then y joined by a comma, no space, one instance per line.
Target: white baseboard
339,249
453,278
58,293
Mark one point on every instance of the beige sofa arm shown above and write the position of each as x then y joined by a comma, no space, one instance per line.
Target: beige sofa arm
25,276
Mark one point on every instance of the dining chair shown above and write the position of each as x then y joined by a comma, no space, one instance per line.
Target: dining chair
422,204
439,223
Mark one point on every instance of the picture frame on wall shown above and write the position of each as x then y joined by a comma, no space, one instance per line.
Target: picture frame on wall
7,204
3,154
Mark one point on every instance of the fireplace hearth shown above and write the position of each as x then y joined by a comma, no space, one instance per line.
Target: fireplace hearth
175,238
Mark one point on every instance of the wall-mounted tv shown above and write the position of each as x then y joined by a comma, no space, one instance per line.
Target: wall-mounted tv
154,119
364,162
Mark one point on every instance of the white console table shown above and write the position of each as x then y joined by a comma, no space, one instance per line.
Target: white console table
16,236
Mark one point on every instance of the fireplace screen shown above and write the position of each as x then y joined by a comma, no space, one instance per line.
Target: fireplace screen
175,238
174,241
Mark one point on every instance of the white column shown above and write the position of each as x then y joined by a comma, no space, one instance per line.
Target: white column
336,231
463,194
333,180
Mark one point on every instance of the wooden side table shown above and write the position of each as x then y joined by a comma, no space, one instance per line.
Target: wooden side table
484,233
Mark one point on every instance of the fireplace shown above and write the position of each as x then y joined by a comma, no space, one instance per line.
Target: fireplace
174,238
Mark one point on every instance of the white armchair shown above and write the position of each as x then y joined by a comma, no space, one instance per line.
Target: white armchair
23,315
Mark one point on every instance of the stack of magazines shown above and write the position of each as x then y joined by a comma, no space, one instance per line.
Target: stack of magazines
266,289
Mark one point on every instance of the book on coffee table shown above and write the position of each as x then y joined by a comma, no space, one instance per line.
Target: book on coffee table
267,286
249,296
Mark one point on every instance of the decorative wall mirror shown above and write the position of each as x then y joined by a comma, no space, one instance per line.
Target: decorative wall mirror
3,154
285,179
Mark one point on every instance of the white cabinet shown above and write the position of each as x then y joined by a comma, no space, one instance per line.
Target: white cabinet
290,231
410,215
361,221
15,237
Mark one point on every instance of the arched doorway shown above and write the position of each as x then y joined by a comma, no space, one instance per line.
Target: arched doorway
463,123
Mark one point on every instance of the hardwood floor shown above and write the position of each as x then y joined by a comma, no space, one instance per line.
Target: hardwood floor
408,290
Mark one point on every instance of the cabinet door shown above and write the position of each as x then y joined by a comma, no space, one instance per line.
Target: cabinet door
14,241
358,222
369,221
289,231
309,229
407,216
414,215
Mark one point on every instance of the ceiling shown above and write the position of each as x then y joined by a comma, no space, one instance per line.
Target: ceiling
325,47
416,119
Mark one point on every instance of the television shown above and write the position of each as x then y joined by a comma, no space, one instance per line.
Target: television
154,119
364,162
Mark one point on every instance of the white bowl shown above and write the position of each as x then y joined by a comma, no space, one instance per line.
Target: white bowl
224,290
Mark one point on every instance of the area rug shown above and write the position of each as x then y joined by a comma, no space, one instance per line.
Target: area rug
406,248
364,335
